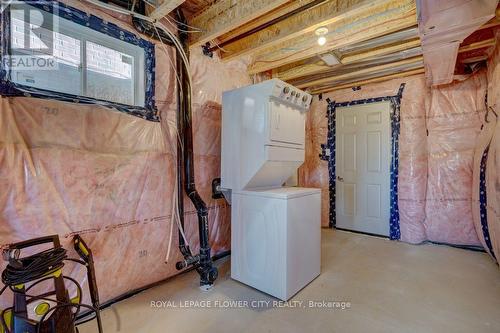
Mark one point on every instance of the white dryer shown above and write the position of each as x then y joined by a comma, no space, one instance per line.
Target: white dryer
276,231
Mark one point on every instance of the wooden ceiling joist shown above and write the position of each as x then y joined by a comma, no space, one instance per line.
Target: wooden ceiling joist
478,45
302,70
264,19
226,15
399,36
295,26
358,24
298,70
164,8
369,70
380,51
367,81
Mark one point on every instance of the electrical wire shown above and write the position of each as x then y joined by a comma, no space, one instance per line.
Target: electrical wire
175,207
186,25
219,47
185,59
27,269
183,30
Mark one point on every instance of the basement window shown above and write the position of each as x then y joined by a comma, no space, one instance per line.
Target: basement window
54,51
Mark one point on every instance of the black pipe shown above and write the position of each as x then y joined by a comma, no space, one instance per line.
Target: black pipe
186,252
185,161
267,24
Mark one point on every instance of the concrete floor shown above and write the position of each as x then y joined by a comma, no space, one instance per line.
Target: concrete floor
391,287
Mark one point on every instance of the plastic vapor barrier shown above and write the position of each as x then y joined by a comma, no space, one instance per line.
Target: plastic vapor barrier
486,181
68,169
439,127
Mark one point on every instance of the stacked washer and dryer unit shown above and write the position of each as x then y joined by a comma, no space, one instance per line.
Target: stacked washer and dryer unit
275,230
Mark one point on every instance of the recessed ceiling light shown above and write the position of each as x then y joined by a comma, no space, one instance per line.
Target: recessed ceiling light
322,40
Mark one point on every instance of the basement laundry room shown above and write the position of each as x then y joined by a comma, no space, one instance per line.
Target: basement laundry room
249,166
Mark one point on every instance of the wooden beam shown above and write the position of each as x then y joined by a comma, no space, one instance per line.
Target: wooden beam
302,70
306,21
373,80
477,45
226,15
474,59
274,14
352,27
383,50
368,70
165,8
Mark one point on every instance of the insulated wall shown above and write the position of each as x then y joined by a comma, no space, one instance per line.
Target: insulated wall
493,163
439,127
454,120
486,173
68,169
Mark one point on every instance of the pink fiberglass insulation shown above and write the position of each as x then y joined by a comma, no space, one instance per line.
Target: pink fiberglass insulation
67,168
493,162
493,191
439,127
483,141
454,119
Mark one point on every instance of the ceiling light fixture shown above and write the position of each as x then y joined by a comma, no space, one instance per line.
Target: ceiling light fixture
321,32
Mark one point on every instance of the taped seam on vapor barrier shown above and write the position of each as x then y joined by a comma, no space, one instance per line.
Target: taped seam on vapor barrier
483,201
9,88
395,101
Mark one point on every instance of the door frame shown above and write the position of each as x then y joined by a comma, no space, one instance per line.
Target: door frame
328,154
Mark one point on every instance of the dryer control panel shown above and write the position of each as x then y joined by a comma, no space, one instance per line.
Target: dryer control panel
291,95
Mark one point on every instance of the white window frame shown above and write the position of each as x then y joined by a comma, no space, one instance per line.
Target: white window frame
85,34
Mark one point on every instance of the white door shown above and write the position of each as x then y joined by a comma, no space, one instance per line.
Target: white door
362,157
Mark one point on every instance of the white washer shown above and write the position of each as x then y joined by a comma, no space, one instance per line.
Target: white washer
275,239
275,232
